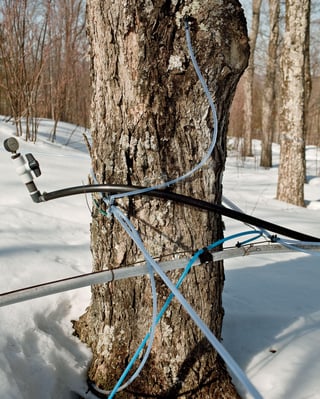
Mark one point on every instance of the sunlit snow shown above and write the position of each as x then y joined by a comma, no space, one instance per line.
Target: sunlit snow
272,320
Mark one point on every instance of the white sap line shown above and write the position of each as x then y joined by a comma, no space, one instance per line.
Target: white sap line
105,276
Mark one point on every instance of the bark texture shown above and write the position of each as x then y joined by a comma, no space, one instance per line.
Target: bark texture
249,80
151,122
268,100
292,118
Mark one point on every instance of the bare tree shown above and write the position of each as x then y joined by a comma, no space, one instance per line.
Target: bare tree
236,122
268,102
67,70
292,117
150,121
23,32
43,62
249,79
313,120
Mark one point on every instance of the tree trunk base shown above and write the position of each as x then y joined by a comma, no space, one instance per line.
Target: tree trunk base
216,385
151,122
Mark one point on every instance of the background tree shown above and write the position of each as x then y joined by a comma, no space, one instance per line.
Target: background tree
67,77
44,68
150,121
292,117
307,85
313,119
23,53
248,79
262,77
269,96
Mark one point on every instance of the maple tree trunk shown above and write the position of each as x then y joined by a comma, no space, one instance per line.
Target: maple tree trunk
151,122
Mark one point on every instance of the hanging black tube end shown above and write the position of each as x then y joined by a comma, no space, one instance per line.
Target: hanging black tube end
205,256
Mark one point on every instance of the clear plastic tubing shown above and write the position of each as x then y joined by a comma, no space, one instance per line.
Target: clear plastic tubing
214,134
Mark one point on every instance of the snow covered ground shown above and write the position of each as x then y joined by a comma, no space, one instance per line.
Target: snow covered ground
272,321
39,357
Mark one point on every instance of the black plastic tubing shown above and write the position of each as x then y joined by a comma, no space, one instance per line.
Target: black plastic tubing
182,199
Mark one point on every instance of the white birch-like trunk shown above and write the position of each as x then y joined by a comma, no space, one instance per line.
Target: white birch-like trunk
292,116
249,80
268,100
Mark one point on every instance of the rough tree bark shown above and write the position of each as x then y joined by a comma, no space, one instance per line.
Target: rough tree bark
292,115
248,78
151,122
268,100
